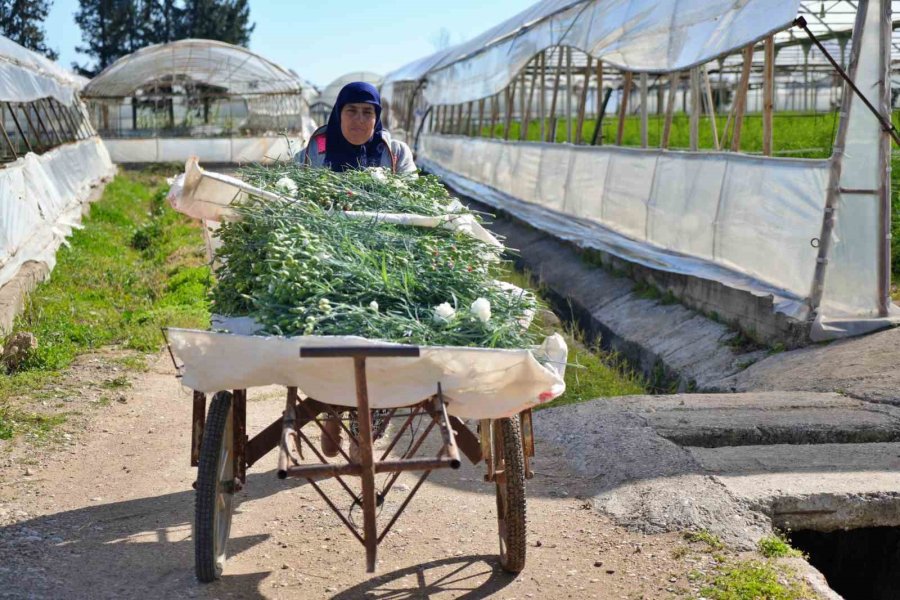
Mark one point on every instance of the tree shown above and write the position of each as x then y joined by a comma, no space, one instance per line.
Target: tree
223,20
22,22
108,31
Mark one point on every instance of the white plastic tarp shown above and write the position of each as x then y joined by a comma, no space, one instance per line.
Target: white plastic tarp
26,76
477,383
41,199
637,35
721,216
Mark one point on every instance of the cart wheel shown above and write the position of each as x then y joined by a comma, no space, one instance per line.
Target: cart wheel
215,490
510,493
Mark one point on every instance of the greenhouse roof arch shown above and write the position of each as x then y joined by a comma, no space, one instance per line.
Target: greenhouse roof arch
633,35
330,93
26,76
208,62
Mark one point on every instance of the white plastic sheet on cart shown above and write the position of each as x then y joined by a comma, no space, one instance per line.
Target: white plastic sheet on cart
478,383
41,199
720,216
638,35
208,196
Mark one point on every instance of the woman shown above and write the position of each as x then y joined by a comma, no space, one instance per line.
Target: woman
354,137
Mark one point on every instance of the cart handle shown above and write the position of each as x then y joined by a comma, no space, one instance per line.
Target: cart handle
359,352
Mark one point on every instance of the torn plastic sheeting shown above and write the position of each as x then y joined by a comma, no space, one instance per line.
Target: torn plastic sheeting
41,198
26,76
209,196
590,234
478,383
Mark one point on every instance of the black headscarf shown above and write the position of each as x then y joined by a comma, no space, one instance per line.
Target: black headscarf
341,154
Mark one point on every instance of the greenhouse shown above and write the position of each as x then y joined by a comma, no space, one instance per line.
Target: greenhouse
697,137
51,158
221,102
323,103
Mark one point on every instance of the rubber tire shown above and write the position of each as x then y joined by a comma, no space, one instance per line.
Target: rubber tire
511,486
219,422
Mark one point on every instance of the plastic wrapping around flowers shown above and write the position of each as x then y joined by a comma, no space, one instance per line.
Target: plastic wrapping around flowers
476,382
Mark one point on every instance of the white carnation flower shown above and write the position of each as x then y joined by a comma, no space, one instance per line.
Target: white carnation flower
286,185
378,174
481,308
373,305
444,312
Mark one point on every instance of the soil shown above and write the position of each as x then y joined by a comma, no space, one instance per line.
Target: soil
103,508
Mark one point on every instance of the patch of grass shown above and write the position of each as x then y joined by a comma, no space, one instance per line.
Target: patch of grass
776,546
704,537
113,285
39,426
755,580
116,383
134,362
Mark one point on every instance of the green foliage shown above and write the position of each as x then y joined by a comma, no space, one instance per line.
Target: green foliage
775,546
22,21
704,537
37,425
302,267
754,580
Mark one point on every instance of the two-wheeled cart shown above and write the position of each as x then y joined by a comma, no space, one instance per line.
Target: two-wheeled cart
223,452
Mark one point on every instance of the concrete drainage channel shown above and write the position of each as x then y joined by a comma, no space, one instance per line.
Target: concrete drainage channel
820,465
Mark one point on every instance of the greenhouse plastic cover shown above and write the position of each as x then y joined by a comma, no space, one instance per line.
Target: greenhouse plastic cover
233,150
209,62
329,95
477,383
26,76
41,199
636,35
720,216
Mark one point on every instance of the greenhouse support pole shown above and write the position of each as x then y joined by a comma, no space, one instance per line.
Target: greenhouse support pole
711,109
601,106
6,135
768,94
523,129
551,134
569,123
833,194
526,117
542,100
480,117
884,156
670,109
695,109
623,108
510,100
469,118
582,101
495,113
644,82
741,100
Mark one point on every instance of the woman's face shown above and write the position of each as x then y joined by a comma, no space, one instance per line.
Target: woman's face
358,122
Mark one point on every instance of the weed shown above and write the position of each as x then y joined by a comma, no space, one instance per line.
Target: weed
116,383
704,537
754,579
776,546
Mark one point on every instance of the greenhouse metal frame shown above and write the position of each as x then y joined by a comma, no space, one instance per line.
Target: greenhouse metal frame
489,115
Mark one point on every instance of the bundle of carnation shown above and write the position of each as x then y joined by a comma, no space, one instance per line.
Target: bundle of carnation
302,267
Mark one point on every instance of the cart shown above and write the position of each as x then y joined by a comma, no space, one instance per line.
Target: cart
222,451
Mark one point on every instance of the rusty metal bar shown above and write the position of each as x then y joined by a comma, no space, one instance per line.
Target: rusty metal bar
466,440
239,408
319,471
262,443
450,448
360,352
417,464
288,435
335,510
37,136
366,460
198,423
318,454
403,506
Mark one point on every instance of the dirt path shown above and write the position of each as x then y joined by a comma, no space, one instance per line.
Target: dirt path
105,511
